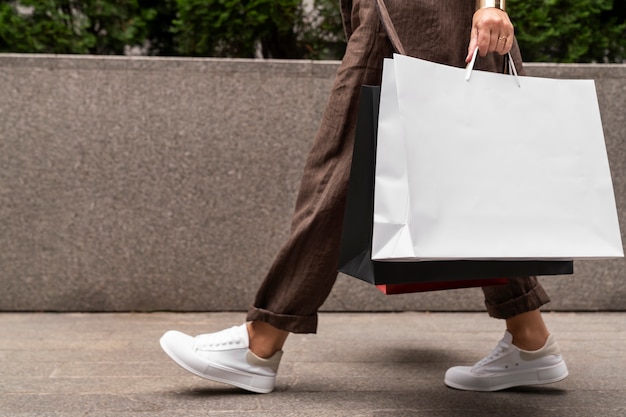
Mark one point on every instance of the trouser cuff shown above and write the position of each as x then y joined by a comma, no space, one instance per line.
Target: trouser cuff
529,301
286,322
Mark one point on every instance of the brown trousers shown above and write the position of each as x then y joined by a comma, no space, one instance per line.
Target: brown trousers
305,269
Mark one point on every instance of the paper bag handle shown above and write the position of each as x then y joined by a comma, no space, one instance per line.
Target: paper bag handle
512,69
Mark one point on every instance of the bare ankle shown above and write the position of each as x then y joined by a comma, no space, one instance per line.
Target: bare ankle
265,339
530,341
529,330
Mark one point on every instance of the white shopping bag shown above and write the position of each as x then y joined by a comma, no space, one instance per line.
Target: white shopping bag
493,167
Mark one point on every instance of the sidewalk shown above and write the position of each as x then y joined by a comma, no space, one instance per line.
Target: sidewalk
381,364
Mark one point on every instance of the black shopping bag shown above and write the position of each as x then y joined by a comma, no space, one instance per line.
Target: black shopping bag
402,277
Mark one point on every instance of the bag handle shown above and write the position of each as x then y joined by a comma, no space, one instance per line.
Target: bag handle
512,69
385,19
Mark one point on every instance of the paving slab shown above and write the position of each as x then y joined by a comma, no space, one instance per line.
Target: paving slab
359,364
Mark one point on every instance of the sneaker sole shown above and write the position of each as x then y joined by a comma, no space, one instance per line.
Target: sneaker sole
250,382
541,376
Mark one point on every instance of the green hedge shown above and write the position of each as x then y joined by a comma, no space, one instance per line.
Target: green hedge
547,30
570,30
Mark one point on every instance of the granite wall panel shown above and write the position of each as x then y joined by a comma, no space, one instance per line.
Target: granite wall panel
141,184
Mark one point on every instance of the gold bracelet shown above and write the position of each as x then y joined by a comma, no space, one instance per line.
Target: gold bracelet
500,4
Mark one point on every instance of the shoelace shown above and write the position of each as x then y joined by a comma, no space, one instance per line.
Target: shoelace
223,338
495,353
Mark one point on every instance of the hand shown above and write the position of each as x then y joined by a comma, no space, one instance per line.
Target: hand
492,31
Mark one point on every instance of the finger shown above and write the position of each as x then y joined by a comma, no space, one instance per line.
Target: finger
472,45
505,43
501,46
494,41
485,42
509,44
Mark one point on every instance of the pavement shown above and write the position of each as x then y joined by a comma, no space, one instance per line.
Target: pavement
359,364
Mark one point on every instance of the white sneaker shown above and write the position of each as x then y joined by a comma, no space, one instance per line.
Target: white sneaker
508,366
223,357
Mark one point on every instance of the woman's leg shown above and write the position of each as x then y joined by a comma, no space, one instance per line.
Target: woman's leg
305,269
518,303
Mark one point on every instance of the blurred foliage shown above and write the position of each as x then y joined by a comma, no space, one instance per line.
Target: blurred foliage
547,30
570,30
236,28
72,26
227,28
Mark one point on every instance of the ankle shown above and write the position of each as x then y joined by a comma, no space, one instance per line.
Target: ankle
265,339
528,330
530,341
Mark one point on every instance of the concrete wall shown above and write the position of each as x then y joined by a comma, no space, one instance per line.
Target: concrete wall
167,184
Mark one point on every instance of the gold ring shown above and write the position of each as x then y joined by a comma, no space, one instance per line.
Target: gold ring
503,38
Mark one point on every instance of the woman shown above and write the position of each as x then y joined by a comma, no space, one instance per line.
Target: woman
304,271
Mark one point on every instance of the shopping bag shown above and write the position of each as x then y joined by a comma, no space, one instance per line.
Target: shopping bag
495,167
402,277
